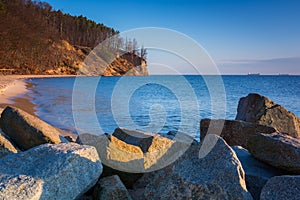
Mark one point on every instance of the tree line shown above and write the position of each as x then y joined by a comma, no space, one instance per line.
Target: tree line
31,31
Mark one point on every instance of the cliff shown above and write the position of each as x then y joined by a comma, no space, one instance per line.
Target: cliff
35,39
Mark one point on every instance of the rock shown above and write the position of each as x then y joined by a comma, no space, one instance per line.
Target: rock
27,131
219,175
123,152
234,132
281,188
6,146
111,188
261,110
64,171
128,161
134,137
158,151
257,172
20,187
109,152
278,150
70,139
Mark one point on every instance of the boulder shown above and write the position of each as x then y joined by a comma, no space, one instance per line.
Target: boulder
111,155
143,140
123,152
26,130
158,151
278,150
219,175
282,188
257,172
63,171
234,132
20,187
128,161
261,110
6,146
111,187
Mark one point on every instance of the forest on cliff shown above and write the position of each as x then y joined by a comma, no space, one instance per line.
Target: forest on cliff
36,39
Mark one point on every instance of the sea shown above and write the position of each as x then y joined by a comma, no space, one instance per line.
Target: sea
156,104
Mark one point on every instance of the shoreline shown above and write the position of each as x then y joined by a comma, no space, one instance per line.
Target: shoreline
13,86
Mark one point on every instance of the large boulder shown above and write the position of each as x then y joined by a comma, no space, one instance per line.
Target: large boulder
259,109
63,171
127,160
122,151
111,187
6,146
158,151
257,172
112,152
234,132
282,188
219,175
278,150
26,130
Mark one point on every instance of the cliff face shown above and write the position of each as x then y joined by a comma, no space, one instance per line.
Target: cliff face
128,64
35,39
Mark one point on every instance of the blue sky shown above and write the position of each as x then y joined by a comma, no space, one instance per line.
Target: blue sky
241,36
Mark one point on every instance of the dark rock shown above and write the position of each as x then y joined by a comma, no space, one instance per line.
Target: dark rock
27,131
70,138
134,137
282,188
278,150
257,172
111,187
234,132
6,145
63,171
219,175
261,110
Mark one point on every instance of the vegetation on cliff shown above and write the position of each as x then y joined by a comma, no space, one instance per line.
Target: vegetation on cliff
35,39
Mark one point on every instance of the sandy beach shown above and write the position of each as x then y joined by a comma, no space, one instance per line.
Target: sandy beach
14,85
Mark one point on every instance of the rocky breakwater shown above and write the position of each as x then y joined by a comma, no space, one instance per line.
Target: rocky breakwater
219,175
270,134
42,171
130,153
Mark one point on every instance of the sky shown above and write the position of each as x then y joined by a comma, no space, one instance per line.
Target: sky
240,36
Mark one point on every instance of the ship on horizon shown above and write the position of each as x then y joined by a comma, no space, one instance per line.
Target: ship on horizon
253,74
283,74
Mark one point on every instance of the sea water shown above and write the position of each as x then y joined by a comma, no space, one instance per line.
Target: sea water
153,103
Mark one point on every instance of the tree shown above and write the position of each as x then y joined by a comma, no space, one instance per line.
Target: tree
143,53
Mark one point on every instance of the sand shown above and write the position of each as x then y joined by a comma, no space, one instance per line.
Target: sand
14,86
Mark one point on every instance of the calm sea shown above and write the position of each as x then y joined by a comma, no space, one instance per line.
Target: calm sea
153,103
